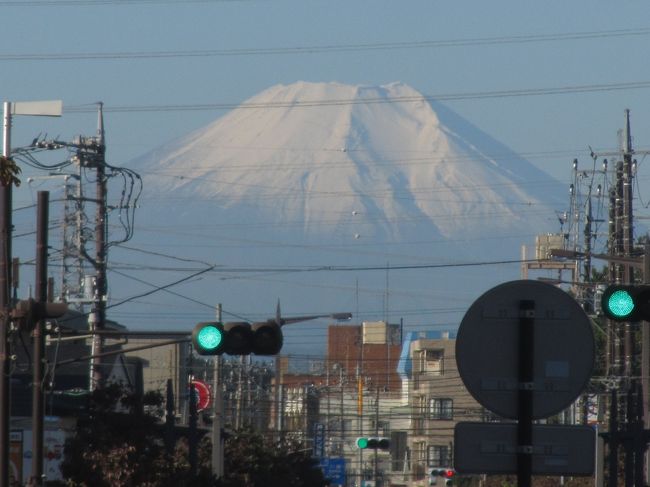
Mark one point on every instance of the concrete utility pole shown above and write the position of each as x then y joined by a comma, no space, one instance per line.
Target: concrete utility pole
42,108
38,366
5,305
621,244
628,232
97,317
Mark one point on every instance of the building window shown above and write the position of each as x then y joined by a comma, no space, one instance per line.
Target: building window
441,408
438,456
435,361
419,452
419,414
431,361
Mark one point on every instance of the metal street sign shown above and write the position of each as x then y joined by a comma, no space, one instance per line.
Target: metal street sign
491,448
334,470
487,347
319,440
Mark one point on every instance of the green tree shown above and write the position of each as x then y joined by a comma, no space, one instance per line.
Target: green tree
252,459
117,444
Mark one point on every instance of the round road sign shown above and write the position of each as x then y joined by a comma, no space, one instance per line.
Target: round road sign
203,396
487,348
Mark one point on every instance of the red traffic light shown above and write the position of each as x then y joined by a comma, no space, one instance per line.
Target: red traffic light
449,473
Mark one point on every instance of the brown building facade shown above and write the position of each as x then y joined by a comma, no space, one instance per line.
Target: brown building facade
370,351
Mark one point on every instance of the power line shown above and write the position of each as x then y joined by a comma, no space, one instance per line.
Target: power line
590,88
337,48
158,288
338,268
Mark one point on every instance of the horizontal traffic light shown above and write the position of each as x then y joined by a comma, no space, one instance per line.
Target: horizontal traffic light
237,338
626,302
372,442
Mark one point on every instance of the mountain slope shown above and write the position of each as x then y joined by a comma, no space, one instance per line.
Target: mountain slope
407,167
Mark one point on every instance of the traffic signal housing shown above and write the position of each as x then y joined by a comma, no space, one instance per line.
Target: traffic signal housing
626,302
446,475
237,338
267,338
243,338
373,443
208,338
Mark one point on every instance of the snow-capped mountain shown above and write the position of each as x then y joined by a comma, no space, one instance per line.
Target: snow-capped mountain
331,197
320,154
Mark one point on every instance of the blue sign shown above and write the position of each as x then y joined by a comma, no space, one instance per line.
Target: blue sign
319,440
334,470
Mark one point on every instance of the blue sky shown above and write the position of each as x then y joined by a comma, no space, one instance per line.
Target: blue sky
84,51
560,126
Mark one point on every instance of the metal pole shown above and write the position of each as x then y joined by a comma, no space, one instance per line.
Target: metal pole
375,467
640,446
193,424
5,305
645,356
628,446
612,480
525,394
217,422
170,419
39,338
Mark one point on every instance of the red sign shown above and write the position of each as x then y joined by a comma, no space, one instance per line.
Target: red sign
203,394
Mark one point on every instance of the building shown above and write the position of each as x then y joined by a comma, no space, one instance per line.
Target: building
370,351
437,400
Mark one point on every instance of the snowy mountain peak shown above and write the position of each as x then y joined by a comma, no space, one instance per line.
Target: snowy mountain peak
336,159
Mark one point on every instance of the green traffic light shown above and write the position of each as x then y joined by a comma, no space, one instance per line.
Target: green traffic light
620,303
209,337
362,443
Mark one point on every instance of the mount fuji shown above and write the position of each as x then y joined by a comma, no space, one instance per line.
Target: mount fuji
332,197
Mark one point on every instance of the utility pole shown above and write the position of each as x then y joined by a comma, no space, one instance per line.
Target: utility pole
48,109
628,231
5,304
39,338
97,316
621,242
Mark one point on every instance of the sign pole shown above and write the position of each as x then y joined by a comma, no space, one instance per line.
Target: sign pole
525,392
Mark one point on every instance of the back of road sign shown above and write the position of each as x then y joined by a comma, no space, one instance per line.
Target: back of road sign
487,348
491,448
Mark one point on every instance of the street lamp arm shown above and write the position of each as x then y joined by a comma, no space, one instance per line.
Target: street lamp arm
297,319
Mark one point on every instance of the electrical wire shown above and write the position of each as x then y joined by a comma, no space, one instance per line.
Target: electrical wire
569,89
335,48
